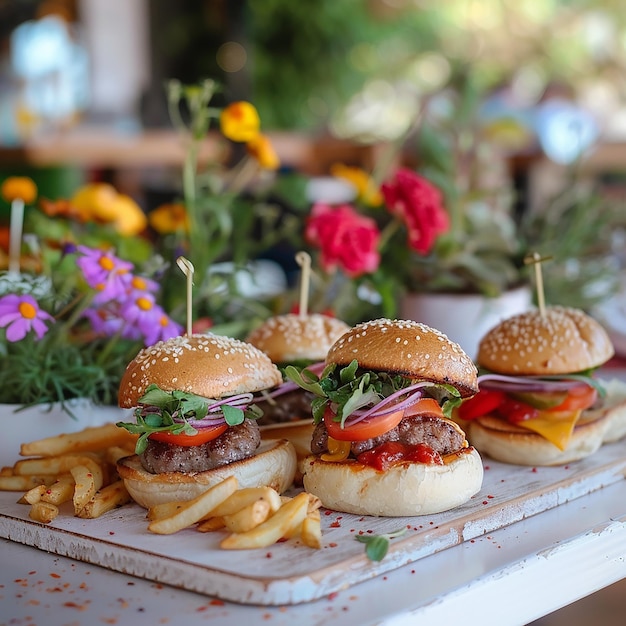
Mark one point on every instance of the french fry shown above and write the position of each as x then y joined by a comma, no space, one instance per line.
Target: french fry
43,512
247,518
211,524
62,490
194,510
311,530
114,453
243,497
106,499
6,470
88,478
94,438
51,465
23,483
165,509
289,516
34,495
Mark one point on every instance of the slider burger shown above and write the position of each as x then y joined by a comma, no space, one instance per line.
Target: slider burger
538,402
196,419
301,341
382,444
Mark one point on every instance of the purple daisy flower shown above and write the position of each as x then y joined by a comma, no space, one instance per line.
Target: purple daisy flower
104,272
165,328
21,314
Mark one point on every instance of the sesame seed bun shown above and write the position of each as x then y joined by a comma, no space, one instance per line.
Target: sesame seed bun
294,337
563,341
208,365
407,348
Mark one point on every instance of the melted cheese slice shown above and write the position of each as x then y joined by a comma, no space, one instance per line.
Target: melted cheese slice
555,426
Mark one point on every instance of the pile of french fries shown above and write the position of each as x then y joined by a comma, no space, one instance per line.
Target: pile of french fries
81,468
255,517
75,467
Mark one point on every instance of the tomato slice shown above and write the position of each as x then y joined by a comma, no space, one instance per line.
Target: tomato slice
379,425
203,435
483,403
578,398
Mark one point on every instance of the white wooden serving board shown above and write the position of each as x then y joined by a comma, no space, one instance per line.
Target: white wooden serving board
289,572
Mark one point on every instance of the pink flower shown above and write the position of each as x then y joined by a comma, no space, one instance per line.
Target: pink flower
345,238
418,203
21,314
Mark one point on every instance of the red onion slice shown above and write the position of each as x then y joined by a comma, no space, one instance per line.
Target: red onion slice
498,382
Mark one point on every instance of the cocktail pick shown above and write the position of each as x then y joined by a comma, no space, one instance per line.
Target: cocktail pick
15,237
303,259
187,268
536,259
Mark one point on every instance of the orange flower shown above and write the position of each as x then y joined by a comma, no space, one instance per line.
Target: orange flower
261,148
129,218
95,201
366,188
58,208
240,121
19,188
169,218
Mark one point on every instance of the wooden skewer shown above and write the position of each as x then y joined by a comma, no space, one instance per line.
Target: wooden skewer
536,259
303,259
188,269
15,236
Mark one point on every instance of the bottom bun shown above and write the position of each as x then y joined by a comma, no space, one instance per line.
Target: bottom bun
299,433
401,491
508,443
273,465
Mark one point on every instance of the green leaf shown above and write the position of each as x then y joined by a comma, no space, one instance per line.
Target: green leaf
233,415
377,546
311,384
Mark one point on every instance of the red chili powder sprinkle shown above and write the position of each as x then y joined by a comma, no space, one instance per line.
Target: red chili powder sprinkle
332,596
332,545
111,532
328,512
73,605
490,497
54,575
369,532
267,615
268,555
534,470
412,571
216,602
335,524
487,467
485,502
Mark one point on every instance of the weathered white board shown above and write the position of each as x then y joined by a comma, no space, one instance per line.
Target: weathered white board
289,572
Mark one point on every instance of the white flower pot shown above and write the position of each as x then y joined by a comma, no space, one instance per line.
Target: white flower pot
464,318
47,420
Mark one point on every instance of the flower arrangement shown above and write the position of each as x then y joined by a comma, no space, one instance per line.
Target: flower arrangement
442,220
93,278
68,329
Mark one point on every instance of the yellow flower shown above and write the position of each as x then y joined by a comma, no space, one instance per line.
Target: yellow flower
261,148
19,188
169,218
129,217
95,201
240,121
367,190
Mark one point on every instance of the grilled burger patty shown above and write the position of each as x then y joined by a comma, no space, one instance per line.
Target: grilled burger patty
440,435
238,442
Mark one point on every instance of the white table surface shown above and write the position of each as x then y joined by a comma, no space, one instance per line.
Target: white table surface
511,576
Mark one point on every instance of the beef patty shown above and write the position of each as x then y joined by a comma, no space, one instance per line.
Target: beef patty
238,442
439,434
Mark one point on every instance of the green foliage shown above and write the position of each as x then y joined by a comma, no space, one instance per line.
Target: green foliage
377,546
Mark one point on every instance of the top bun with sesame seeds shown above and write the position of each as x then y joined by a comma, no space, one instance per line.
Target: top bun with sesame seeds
562,340
207,365
408,348
293,337
539,402
196,420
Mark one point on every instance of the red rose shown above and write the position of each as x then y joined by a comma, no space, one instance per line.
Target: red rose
345,238
418,203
